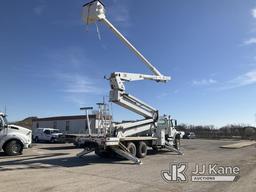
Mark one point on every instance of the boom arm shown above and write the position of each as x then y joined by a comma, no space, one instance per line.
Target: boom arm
95,11
130,46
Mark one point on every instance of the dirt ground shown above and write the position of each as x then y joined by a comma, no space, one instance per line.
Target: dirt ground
54,167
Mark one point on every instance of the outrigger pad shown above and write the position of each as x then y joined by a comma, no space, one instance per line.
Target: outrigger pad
171,148
126,155
84,152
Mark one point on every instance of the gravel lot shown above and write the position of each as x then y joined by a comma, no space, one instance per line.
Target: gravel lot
54,167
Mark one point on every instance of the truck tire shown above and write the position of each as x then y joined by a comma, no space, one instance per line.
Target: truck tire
36,139
132,148
13,147
142,149
52,140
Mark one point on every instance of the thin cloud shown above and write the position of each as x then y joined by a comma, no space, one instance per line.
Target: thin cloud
67,65
120,13
79,100
75,83
204,82
38,10
245,79
254,13
76,88
167,94
71,57
248,78
250,41
71,74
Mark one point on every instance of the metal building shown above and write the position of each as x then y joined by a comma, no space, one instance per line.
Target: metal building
71,124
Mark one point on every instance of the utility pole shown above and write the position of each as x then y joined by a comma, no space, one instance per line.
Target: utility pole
86,109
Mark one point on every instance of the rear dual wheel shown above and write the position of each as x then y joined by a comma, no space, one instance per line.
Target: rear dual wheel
140,150
131,148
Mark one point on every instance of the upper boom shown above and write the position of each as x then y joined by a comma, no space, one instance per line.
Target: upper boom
95,11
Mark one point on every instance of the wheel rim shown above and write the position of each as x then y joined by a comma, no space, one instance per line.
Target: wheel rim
16,148
132,150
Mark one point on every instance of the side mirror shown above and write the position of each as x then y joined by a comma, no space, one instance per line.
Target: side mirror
5,126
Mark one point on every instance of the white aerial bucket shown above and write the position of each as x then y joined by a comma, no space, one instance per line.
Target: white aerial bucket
93,11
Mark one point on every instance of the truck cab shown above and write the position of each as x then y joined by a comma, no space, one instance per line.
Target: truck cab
166,130
13,138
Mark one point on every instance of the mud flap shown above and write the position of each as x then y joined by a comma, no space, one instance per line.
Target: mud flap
84,152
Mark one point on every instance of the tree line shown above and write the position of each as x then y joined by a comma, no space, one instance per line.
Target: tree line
239,131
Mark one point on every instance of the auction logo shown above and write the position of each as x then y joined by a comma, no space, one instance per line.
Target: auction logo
175,173
201,173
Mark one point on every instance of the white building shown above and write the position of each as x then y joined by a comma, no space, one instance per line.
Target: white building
71,124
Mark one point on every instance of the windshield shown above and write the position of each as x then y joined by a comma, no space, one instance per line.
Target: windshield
55,131
162,122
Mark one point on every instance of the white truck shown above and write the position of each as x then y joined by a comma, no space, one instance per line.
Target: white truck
13,138
130,139
47,134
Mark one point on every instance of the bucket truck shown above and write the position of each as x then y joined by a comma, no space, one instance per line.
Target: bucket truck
130,139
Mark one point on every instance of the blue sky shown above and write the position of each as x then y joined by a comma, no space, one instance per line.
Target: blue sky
52,64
